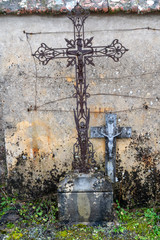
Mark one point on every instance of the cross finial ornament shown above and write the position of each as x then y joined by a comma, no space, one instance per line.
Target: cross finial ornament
79,53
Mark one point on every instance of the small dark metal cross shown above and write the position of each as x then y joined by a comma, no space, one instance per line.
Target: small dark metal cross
79,53
110,132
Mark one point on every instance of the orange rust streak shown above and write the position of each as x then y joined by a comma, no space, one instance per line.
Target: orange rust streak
147,160
97,110
35,151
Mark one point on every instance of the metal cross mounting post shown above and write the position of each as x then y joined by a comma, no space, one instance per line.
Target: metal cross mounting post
110,132
79,53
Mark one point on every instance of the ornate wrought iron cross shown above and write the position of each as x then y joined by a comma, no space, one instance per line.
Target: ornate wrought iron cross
79,53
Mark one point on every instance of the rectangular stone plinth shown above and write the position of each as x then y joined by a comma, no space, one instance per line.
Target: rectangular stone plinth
85,198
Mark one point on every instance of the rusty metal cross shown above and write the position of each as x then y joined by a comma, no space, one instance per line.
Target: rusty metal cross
79,53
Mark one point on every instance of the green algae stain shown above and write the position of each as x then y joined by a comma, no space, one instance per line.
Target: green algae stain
82,232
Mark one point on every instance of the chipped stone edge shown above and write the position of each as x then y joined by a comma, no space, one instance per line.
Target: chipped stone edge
109,7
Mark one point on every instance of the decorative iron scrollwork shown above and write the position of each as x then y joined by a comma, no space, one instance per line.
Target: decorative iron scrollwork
70,43
115,50
79,53
44,54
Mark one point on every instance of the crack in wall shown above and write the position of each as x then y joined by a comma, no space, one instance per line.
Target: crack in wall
107,30
36,80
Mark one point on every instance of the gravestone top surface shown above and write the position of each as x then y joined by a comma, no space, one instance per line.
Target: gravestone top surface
85,183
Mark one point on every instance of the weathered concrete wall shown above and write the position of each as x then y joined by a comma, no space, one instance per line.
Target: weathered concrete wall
2,142
38,104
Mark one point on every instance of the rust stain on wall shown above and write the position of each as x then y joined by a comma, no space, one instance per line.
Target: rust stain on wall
33,163
69,79
98,109
33,138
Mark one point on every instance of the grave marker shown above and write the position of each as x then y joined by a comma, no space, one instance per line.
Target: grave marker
79,53
110,132
83,187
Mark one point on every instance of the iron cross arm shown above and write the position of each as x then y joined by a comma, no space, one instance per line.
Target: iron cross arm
44,54
97,132
115,50
80,48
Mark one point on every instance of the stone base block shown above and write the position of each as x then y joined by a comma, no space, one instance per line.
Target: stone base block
85,199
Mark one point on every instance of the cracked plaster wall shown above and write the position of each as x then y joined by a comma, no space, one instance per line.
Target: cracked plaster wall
38,104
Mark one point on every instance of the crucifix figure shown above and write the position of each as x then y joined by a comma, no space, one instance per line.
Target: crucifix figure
79,53
110,132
